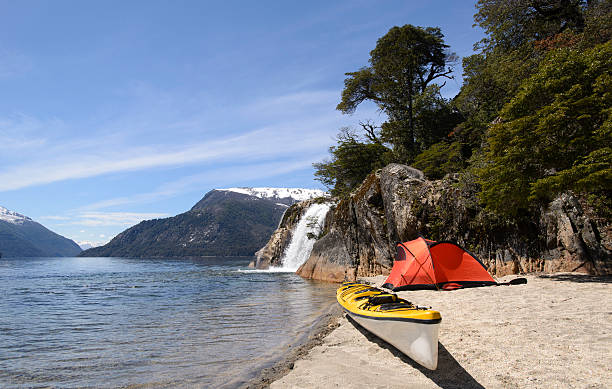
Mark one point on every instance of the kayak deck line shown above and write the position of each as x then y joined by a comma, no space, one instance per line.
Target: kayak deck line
408,319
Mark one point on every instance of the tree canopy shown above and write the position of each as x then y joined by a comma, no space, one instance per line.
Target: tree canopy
532,119
555,134
403,64
352,159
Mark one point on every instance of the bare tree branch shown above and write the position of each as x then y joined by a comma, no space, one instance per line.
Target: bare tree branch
370,131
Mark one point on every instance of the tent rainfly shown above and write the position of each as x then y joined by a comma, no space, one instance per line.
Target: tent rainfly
426,264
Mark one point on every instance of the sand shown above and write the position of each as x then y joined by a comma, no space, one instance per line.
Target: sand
555,331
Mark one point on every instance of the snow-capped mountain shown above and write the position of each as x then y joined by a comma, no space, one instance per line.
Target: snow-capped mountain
297,194
84,245
21,236
225,222
12,217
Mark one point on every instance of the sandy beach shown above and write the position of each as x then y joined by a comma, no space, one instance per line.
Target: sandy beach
555,331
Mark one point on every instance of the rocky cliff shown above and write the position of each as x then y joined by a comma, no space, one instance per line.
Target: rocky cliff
398,203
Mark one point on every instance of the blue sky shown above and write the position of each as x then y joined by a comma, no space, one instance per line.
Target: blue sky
113,112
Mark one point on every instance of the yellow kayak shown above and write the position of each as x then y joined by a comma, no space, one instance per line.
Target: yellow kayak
411,329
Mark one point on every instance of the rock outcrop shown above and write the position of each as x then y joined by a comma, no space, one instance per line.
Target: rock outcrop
398,203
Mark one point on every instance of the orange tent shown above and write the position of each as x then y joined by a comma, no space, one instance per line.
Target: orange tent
425,264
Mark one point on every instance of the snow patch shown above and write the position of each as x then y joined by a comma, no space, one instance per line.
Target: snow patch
84,245
298,194
12,217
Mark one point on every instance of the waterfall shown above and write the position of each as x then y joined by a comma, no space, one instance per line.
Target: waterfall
300,247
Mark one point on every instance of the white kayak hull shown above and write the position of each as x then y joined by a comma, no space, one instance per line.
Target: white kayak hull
417,340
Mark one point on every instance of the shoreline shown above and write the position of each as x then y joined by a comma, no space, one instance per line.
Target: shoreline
281,366
553,331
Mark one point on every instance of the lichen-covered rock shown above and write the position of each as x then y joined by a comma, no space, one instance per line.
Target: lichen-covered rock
398,203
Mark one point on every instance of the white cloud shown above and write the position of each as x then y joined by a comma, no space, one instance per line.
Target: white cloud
54,217
291,126
109,219
293,103
269,142
87,244
216,178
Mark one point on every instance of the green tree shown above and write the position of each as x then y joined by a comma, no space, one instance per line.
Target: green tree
352,159
520,33
402,65
441,158
511,23
555,134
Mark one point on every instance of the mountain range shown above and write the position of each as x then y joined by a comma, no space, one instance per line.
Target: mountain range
225,222
21,236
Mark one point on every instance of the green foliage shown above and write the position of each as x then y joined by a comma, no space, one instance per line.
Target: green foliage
519,35
490,81
511,23
440,159
531,120
403,64
555,133
592,173
352,159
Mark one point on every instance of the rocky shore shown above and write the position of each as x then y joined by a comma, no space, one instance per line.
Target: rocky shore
552,332
398,203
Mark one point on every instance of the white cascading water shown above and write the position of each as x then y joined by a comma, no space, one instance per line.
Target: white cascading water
300,247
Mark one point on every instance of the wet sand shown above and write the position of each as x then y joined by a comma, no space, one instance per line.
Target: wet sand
555,331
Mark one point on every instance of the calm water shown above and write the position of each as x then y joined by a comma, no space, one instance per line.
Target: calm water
108,322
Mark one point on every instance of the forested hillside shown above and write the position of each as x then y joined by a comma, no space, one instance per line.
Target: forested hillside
533,118
225,222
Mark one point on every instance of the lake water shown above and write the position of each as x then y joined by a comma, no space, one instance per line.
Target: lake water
113,322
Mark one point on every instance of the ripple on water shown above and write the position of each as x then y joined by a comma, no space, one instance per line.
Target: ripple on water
72,322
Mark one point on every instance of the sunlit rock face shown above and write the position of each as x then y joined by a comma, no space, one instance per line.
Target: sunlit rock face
398,203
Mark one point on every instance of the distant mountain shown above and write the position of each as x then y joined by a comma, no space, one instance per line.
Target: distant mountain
21,236
226,222
84,245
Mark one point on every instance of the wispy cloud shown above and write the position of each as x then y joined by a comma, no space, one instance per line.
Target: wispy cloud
293,103
113,219
19,132
255,145
82,158
54,217
290,126
217,178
